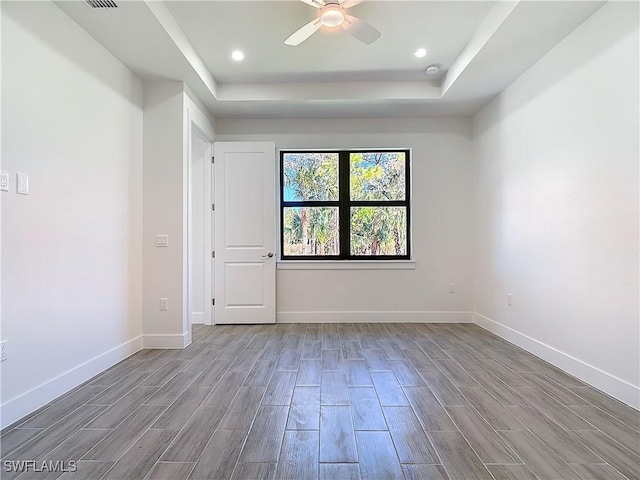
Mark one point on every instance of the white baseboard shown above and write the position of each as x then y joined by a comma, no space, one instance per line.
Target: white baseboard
616,387
375,317
16,408
197,318
167,340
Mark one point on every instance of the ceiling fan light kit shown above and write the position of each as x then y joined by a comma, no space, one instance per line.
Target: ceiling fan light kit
333,14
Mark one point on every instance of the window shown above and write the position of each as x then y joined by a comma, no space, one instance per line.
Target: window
344,205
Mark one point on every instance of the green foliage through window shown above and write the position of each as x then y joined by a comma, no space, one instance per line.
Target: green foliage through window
345,204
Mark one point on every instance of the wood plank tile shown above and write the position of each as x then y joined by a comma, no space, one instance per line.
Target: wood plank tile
219,458
176,416
443,389
340,471
411,443
242,410
357,373
424,472
265,437
214,372
163,375
378,459
192,439
330,341
616,455
567,447
393,352
498,389
456,374
289,360
620,432
483,439
53,436
459,460
376,360
511,472
304,413
333,389
142,456
351,350
116,443
337,439
225,389
87,470
365,409
171,390
280,389
245,362
433,351
170,471
406,374
312,349
541,461
466,359
75,446
495,414
299,456
420,360
552,409
260,374
332,360
309,373
388,389
430,413
116,413
57,412
600,471
551,388
505,374
15,438
613,407
119,389
254,471
294,341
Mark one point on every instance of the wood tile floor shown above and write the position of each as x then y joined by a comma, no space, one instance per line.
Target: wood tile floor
332,402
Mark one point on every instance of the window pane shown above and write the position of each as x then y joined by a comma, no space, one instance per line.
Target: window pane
310,176
377,176
378,231
311,231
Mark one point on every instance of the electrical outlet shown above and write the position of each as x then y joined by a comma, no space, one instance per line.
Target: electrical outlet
452,288
164,304
3,350
162,240
509,299
4,181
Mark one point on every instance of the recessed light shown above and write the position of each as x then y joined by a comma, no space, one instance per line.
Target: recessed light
432,70
237,55
421,52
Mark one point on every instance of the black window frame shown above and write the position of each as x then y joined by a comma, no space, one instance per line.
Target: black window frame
344,204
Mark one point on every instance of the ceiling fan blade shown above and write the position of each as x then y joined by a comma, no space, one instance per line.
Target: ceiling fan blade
350,3
360,29
303,33
314,3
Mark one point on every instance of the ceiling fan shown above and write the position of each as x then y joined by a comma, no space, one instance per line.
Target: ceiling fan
332,14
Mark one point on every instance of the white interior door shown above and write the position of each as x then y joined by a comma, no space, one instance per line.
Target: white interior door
245,232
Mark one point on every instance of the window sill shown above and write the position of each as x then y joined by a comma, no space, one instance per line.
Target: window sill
346,265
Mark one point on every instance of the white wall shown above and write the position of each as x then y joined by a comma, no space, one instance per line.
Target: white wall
163,213
441,228
71,249
169,118
556,205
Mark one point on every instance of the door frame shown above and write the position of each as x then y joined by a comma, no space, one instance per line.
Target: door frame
195,122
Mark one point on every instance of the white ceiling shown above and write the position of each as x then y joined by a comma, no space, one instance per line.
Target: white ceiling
482,47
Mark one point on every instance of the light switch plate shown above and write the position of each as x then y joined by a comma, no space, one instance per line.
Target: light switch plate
162,240
4,181
22,183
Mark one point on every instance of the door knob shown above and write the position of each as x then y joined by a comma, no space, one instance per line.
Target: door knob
268,255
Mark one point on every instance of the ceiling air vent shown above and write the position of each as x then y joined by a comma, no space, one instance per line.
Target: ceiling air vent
102,3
